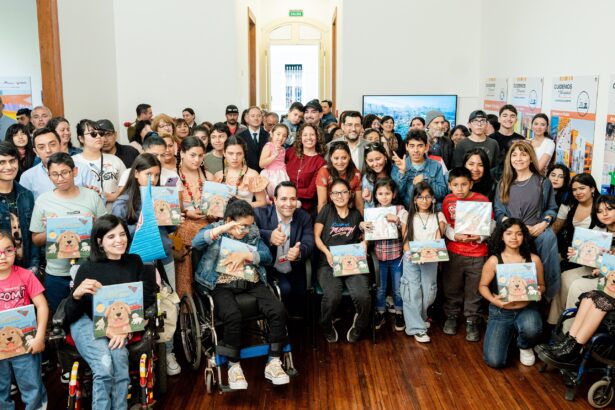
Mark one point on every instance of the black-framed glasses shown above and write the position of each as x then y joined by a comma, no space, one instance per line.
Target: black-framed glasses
339,193
373,146
95,134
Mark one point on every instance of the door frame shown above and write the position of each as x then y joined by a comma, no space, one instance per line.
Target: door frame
51,61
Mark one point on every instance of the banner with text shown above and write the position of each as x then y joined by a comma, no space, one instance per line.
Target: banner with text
16,93
494,94
573,120
608,173
525,93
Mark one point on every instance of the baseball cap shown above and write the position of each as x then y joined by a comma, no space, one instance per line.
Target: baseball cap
477,114
105,125
232,109
315,104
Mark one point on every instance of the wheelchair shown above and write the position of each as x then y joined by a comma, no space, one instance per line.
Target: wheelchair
598,357
146,358
198,330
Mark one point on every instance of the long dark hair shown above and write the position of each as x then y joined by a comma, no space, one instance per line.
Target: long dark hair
320,146
101,227
369,172
53,124
188,143
133,189
562,195
608,201
587,180
544,117
29,156
350,169
413,209
496,241
485,185
388,182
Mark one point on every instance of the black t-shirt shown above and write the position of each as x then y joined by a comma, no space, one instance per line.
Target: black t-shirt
337,230
11,201
504,142
126,153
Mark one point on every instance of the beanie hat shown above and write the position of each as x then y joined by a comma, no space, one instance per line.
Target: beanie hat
432,115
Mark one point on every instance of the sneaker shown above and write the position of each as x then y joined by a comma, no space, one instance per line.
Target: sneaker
65,378
275,373
236,379
330,334
472,332
389,304
400,324
379,320
173,368
422,337
527,357
450,326
14,390
353,334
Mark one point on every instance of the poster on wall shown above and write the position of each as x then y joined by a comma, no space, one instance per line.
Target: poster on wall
525,94
608,172
573,119
16,93
495,94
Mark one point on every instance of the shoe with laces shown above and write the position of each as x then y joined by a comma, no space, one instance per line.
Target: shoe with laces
450,326
472,332
236,379
275,373
379,320
173,368
422,337
400,324
353,334
527,357
330,333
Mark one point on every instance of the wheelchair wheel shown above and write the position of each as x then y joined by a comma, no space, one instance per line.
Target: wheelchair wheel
190,330
161,369
601,394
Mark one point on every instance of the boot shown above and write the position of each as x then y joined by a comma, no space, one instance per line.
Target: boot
567,351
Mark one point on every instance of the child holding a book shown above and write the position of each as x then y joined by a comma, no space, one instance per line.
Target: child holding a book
467,254
419,281
238,225
19,287
272,159
510,243
389,252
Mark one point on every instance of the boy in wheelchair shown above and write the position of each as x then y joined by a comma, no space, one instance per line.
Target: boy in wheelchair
238,225
109,264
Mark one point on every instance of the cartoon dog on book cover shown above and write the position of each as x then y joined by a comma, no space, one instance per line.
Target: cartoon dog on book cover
589,245
606,281
349,259
517,282
163,212
12,342
68,245
118,319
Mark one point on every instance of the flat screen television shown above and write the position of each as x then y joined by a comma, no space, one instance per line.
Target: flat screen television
405,107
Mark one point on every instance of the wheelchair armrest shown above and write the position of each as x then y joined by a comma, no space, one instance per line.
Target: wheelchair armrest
58,322
602,338
376,264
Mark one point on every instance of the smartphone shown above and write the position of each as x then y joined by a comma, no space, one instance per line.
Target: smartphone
172,181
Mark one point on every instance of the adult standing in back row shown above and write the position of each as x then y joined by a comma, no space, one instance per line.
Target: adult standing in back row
505,135
477,139
439,143
255,137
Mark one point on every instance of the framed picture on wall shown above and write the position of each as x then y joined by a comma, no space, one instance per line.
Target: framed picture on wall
405,107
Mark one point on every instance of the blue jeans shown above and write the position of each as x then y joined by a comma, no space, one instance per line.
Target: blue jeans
109,367
27,371
57,288
546,245
501,328
393,266
419,285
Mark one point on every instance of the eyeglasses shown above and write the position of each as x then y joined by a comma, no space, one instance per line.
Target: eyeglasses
479,121
64,174
95,134
339,193
8,252
424,198
243,228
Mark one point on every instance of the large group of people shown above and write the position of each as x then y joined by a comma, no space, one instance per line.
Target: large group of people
300,185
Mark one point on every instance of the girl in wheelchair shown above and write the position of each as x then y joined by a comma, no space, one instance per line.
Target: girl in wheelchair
109,264
238,224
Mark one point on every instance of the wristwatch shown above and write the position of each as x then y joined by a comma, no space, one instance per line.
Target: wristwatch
548,220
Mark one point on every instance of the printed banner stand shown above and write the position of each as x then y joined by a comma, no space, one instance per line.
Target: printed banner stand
525,94
608,170
495,94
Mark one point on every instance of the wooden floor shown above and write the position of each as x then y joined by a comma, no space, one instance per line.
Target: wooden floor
395,373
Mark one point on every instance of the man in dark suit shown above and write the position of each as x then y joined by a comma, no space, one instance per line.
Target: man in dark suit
255,137
289,233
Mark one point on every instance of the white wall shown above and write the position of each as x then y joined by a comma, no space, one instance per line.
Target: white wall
19,48
552,38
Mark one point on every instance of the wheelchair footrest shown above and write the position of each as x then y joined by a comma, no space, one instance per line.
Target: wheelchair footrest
250,352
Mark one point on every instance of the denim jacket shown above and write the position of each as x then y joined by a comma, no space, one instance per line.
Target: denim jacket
25,204
432,174
206,273
549,206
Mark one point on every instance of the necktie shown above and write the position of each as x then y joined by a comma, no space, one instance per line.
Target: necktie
255,135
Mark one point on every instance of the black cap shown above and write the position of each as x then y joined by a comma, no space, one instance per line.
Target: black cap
24,111
232,109
477,114
315,104
105,125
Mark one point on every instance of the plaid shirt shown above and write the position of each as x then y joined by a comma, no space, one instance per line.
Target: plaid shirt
390,249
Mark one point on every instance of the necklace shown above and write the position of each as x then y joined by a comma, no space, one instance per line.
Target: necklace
187,186
426,220
239,179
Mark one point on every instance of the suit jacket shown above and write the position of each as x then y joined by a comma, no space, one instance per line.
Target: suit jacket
301,230
253,154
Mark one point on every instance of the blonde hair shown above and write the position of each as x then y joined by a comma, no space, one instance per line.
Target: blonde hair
165,118
509,175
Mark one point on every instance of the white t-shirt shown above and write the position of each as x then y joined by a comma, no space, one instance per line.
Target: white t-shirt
112,169
165,175
425,229
547,147
563,214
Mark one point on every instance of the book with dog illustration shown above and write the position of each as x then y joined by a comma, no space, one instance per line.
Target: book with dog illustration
473,218
382,229
349,259
17,330
517,282
68,237
229,246
118,310
166,205
606,281
214,198
428,251
589,245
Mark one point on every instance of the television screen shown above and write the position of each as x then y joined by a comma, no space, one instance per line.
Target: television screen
405,107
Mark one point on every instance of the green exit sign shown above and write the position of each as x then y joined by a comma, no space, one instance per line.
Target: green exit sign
295,13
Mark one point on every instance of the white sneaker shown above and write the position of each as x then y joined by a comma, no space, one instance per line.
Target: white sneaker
527,357
236,379
427,324
275,373
422,337
65,378
173,368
